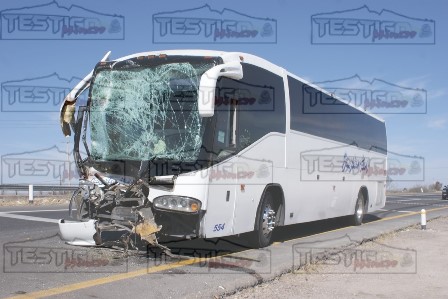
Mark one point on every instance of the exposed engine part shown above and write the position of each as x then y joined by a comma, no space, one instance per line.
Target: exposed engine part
122,213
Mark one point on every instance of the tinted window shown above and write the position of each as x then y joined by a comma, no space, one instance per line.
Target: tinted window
248,109
316,113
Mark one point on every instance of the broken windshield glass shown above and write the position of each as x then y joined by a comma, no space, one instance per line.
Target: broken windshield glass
144,113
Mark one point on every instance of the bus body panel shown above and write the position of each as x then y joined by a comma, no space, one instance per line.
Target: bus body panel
244,177
218,219
263,170
316,187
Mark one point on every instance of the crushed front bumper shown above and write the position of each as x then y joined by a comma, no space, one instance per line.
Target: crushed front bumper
91,234
166,225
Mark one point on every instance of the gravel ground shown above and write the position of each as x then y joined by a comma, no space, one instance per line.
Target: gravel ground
8,201
411,263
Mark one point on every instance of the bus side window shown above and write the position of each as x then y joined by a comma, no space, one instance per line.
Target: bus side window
261,105
248,109
225,142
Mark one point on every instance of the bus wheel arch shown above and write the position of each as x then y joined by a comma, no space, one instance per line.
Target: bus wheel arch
271,205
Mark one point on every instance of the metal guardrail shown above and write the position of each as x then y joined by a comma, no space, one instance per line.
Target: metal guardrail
41,188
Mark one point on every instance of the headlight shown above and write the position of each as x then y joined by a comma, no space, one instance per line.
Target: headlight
177,203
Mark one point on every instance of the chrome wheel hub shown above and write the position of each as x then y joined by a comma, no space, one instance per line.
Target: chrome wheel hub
268,224
360,208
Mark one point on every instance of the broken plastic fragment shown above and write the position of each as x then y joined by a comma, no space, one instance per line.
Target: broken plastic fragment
146,230
67,117
78,233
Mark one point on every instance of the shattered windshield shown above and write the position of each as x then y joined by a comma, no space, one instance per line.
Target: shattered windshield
145,112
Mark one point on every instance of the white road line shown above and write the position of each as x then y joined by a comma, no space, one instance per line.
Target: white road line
415,194
33,211
425,204
384,210
405,201
416,199
30,218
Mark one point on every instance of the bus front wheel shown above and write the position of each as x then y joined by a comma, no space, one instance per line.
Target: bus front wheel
78,210
266,222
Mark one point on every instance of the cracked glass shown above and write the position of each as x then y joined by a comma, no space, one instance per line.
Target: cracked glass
147,112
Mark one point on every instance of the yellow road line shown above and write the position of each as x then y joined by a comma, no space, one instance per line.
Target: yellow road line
345,227
160,268
405,215
108,279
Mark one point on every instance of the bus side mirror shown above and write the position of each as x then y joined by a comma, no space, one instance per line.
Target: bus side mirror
206,96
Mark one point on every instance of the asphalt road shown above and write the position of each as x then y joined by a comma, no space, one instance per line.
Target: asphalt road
37,263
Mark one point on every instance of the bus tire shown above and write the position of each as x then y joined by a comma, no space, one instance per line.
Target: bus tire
266,222
78,210
360,208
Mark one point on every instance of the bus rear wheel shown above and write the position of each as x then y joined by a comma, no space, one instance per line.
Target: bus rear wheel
358,216
266,222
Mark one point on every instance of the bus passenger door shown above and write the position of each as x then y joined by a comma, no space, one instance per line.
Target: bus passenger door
223,174
221,200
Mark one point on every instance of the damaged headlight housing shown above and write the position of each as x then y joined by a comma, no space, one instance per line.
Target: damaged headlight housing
177,203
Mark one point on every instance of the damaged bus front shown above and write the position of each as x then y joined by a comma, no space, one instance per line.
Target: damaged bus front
141,146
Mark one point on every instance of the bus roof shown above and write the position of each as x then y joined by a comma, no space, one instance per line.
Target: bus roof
248,58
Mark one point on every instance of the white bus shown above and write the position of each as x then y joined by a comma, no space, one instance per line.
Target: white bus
205,144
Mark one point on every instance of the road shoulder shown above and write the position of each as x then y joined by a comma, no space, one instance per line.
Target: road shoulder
409,263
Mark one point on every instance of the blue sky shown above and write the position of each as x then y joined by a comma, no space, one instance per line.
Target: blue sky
33,127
